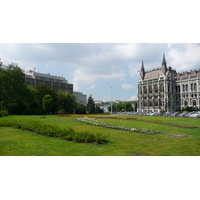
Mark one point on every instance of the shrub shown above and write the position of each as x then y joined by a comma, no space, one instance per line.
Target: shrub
4,113
80,136
54,131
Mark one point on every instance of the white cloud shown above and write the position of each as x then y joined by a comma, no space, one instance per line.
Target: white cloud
183,57
76,86
133,98
127,86
89,75
133,70
92,87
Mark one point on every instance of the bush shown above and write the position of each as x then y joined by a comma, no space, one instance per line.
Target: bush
4,113
54,131
61,111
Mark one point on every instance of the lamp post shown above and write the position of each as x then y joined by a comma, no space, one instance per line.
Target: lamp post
111,97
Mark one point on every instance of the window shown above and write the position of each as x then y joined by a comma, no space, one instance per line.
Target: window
162,87
183,87
145,89
150,89
156,88
194,102
185,103
191,86
195,86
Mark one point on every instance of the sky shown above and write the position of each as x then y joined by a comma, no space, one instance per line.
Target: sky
101,69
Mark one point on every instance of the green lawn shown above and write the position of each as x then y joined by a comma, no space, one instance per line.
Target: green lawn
15,142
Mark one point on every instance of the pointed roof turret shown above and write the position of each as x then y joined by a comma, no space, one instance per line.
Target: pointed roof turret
142,67
142,71
164,65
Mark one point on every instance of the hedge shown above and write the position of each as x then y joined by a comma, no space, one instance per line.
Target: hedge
54,131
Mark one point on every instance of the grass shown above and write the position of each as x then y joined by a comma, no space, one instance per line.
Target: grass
16,142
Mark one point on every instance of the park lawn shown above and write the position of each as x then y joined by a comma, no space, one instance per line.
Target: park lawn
15,142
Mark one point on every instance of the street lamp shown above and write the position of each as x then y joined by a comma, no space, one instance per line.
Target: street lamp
111,97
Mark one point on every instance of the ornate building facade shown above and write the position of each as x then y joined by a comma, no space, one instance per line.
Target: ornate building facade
163,89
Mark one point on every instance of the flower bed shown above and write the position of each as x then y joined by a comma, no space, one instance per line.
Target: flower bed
95,122
154,121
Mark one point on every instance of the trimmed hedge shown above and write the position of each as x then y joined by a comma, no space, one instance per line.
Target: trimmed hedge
3,113
54,131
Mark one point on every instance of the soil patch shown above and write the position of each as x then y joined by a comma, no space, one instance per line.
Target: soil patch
178,135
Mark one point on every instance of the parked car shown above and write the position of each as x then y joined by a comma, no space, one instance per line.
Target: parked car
195,115
175,114
183,114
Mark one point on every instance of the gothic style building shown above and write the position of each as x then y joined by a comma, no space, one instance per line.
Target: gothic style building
163,89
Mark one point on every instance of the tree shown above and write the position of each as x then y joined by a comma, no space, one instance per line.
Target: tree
66,101
13,91
128,106
98,109
176,102
33,105
80,108
42,90
90,105
48,103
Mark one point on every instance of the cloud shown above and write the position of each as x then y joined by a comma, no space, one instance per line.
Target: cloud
127,86
92,87
133,98
76,87
184,57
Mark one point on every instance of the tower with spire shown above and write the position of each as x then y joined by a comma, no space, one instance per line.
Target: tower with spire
142,71
164,65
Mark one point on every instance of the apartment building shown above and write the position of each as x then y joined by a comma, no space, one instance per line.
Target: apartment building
55,82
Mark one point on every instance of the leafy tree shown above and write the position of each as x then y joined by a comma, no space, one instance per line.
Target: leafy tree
42,90
13,91
98,109
33,105
80,108
90,105
66,101
48,103
128,106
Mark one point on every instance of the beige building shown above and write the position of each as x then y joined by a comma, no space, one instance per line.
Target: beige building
162,89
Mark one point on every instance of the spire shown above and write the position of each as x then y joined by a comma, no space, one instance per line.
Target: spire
164,65
142,71
164,61
142,68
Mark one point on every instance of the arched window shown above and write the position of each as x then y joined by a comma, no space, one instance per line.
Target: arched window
155,88
161,87
150,89
183,87
186,87
185,103
195,86
191,86
156,103
145,89
140,90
